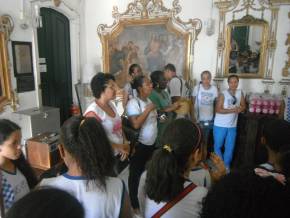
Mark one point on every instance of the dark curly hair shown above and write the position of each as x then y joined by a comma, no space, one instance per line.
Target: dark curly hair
156,77
133,67
233,76
99,83
138,82
165,171
86,141
7,127
170,67
46,203
243,194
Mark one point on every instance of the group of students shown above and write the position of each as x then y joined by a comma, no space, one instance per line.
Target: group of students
170,172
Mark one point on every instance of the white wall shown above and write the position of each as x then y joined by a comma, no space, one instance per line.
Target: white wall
12,7
205,47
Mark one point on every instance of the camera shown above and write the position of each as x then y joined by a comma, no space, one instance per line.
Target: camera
161,116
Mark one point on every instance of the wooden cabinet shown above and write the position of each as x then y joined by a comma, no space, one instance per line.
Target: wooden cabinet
42,151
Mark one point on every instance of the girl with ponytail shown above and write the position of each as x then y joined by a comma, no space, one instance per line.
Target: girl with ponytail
88,155
167,190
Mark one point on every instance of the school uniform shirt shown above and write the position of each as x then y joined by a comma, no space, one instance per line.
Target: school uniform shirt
97,203
148,131
200,177
112,125
228,120
188,207
14,187
177,87
204,102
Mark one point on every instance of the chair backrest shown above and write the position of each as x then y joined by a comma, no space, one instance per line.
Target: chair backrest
84,95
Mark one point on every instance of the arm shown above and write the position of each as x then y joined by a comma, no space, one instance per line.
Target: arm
126,207
171,107
219,108
242,104
125,99
192,112
137,121
175,99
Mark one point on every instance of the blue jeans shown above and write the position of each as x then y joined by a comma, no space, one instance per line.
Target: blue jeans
227,137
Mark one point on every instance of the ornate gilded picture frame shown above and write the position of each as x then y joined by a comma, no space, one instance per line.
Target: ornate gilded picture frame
6,27
150,35
246,45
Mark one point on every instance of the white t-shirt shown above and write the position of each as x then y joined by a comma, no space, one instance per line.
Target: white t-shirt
228,120
14,187
148,131
174,87
189,207
200,177
204,102
112,125
97,203
132,93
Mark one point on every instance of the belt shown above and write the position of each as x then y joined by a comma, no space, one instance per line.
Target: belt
206,122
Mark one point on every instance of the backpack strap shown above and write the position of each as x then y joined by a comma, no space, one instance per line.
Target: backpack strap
174,201
181,85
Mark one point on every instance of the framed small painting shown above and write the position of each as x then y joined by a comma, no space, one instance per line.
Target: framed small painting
22,58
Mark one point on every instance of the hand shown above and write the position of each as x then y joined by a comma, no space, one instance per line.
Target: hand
219,165
124,150
175,105
236,110
240,109
150,107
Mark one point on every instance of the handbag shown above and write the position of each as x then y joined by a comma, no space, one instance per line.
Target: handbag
130,132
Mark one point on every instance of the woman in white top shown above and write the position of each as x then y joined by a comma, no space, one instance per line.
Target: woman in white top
104,88
204,96
88,156
143,116
167,180
230,103
134,71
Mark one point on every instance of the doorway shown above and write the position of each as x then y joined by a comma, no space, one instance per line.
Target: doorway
54,49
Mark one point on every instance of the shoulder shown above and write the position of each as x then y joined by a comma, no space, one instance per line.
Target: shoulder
52,181
115,186
114,181
175,80
93,107
127,86
132,102
214,88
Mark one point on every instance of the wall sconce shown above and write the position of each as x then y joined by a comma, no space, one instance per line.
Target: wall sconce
210,23
23,19
37,19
